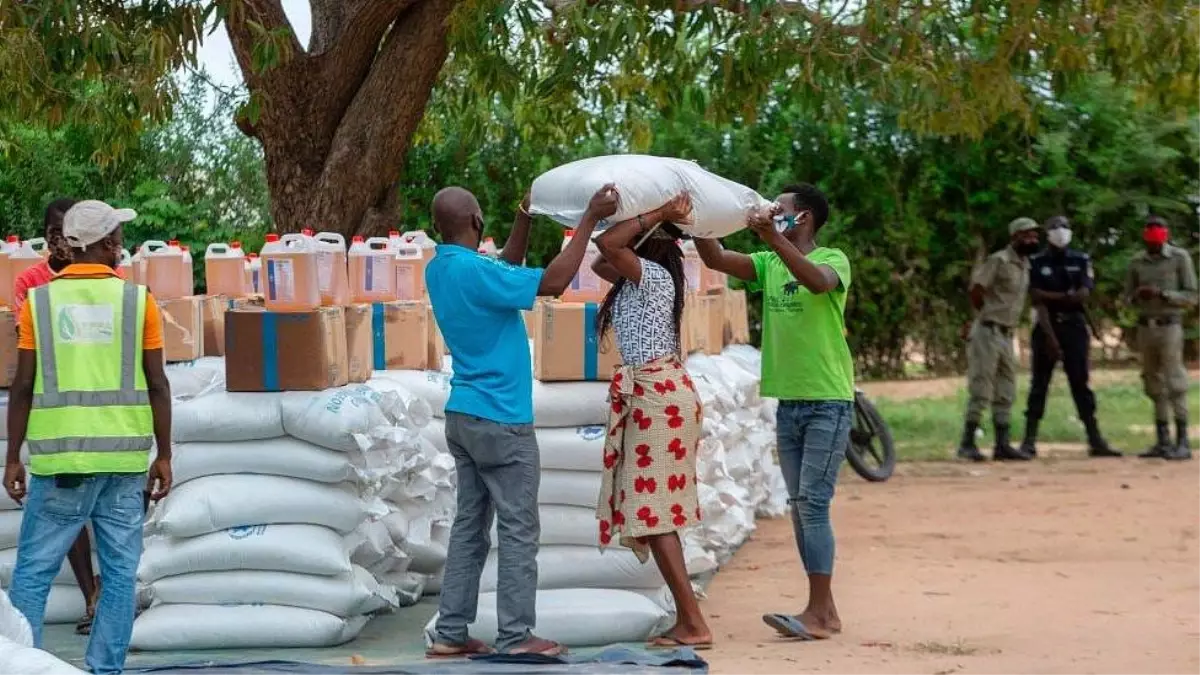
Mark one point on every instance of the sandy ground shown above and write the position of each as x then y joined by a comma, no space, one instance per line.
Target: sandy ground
1073,566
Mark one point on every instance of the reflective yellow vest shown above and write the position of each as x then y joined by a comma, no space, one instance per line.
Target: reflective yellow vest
91,409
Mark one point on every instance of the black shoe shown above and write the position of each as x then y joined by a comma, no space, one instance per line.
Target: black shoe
1004,451
1029,445
1097,446
1182,449
967,449
1162,442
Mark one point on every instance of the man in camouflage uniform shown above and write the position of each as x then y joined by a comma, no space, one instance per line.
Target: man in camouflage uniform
1161,284
998,294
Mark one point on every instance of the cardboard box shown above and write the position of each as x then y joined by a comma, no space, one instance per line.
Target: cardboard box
183,328
285,351
360,354
711,322
712,282
566,347
737,318
400,333
693,338
213,317
8,346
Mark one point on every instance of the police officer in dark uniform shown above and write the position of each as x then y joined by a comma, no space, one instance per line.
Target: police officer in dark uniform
1060,280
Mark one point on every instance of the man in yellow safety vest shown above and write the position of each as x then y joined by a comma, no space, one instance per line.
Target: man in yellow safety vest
91,398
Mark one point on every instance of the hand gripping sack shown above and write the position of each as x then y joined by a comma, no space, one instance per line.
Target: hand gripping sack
578,617
645,183
180,627
219,502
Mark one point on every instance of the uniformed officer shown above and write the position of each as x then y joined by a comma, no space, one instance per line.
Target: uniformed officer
998,294
1161,284
1061,279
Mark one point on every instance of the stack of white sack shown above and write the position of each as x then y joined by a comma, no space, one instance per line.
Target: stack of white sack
65,604
17,653
737,475
275,533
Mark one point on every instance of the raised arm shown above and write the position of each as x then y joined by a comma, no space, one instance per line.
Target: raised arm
562,269
517,245
716,257
616,244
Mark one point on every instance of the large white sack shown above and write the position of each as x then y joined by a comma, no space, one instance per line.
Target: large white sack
13,625
560,448
219,502
645,183
24,659
8,562
564,526
569,488
584,567
344,595
336,418
223,417
555,404
177,627
65,604
10,528
304,549
283,456
428,555
578,617
193,379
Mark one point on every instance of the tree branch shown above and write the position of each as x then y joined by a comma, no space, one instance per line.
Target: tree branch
242,36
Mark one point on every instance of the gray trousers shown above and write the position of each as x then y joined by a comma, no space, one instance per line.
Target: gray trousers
498,472
991,374
1163,372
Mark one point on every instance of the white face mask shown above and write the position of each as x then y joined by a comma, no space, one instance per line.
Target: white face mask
1059,238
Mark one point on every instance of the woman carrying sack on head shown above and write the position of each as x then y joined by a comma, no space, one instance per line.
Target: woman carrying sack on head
648,492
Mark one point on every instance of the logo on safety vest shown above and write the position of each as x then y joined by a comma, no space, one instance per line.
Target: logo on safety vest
85,324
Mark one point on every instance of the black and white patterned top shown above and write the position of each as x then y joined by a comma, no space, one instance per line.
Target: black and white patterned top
643,316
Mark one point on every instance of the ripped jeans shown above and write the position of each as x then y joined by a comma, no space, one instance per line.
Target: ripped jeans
812,438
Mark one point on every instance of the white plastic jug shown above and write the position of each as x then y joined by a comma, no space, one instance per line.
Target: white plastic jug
12,243
189,273
290,283
125,267
410,272
372,270
139,265
423,240
254,273
225,269
164,269
331,269
488,248
21,259
39,246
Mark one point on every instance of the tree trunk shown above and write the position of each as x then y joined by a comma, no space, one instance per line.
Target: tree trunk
335,122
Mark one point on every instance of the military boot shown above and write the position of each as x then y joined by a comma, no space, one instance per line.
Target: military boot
1097,446
1004,451
1029,445
1162,431
967,449
1182,449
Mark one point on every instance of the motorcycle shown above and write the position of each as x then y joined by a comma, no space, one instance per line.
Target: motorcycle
872,452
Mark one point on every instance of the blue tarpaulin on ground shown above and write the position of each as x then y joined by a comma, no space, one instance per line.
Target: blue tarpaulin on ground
610,660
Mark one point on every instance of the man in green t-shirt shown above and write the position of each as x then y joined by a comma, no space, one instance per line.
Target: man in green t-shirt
806,364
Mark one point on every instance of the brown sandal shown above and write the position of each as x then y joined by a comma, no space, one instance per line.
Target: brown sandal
471,647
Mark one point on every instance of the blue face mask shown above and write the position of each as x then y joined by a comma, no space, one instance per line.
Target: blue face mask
783,223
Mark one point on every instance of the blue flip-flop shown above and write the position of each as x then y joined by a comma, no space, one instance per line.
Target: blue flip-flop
789,627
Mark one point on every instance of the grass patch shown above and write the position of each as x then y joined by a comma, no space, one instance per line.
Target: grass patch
958,648
930,428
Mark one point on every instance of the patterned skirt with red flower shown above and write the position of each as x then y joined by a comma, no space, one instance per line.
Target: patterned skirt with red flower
649,484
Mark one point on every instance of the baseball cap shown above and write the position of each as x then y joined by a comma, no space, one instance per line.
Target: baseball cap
91,220
1021,225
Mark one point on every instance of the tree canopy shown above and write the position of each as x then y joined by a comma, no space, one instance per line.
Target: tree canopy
336,117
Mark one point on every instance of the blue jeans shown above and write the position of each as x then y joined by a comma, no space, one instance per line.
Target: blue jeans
812,438
53,517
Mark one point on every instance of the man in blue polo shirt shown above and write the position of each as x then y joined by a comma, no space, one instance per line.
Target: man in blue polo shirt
477,302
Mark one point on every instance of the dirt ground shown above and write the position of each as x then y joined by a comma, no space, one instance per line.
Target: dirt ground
1074,566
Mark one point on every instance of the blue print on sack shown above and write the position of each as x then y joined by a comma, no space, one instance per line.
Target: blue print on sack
591,432
246,531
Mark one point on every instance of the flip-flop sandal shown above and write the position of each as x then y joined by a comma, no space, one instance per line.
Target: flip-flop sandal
672,642
472,647
790,627
553,651
84,627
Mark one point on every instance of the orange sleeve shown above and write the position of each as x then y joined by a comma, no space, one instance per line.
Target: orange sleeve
152,329
25,337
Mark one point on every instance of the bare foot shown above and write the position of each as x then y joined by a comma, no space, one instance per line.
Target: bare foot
821,622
